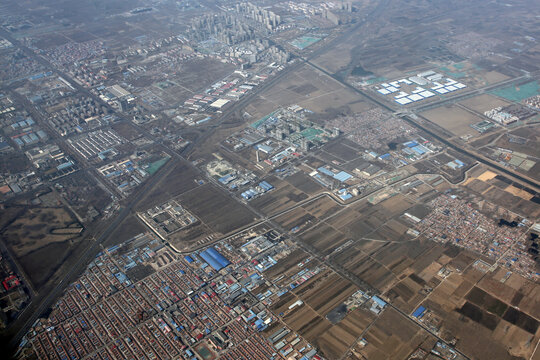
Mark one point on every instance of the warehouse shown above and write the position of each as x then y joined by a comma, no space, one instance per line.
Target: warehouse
214,259
218,104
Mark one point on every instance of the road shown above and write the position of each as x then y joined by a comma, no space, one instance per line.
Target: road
467,94
41,302
44,303
89,253
480,158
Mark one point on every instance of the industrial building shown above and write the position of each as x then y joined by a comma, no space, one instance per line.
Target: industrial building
422,86
214,259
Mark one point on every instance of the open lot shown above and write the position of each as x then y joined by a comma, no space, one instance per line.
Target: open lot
453,119
282,197
82,192
499,190
483,103
217,212
39,227
324,238
393,337
179,180
304,183
308,88
40,239
322,207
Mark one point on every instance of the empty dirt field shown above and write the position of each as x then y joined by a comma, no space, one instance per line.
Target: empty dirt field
39,227
41,239
392,336
327,292
332,61
304,183
308,88
281,198
324,238
482,103
453,119
178,180
322,207
296,218
215,209
320,295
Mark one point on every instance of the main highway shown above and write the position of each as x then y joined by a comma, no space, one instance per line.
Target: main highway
43,301
478,157
46,298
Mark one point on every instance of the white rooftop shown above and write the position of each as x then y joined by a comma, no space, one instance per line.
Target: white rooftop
401,94
415,97
403,101
427,94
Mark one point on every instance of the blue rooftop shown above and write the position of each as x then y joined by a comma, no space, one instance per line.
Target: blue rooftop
419,149
379,301
326,171
214,258
418,313
411,144
342,176
265,185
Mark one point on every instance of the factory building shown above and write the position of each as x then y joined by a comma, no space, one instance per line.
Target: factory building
214,259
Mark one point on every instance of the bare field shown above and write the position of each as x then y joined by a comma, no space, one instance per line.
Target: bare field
460,308
498,192
493,77
319,93
130,227
324,238
524,294
42,264
295,218
342,151
336,341
287,264
373,273
34,229
41,239
333,61
178,181
480,346
531,147
391,231
215,209
483,103
328,293
392,336
406,294
321,295
282,197
304,183
453,119
322,207
353,255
